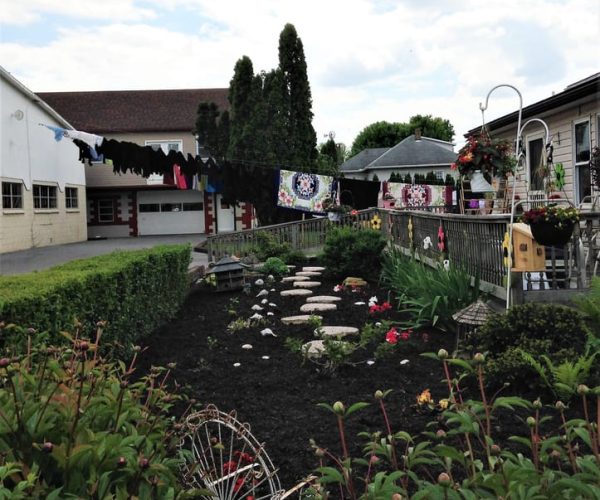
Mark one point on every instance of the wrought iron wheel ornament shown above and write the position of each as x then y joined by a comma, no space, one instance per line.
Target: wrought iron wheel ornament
222,456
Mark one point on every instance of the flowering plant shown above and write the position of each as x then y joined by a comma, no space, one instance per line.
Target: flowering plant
491,157
558,216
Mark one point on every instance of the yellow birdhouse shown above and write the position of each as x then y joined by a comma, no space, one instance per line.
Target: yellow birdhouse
528,254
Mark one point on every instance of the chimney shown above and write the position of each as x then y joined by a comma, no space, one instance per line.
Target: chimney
417,134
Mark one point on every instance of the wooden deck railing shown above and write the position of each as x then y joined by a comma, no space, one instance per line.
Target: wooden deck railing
472,242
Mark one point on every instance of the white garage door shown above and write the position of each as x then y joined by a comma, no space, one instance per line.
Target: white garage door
170,212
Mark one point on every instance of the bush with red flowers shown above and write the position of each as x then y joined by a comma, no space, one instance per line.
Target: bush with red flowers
491,157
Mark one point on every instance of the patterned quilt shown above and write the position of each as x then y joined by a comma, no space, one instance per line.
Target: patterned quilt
303,191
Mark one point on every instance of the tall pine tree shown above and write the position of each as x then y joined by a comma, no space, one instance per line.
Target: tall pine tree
241,100
301,135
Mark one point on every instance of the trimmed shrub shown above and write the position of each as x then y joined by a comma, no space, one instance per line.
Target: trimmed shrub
556,331
353,252
134,292
275,266
267,246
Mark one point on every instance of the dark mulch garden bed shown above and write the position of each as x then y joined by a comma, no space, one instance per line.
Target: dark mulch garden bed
278,396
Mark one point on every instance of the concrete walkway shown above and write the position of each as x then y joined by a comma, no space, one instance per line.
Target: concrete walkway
36,259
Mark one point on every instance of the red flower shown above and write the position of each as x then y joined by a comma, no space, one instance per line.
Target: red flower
405,336
391,336
244,457
386,306
238,484
230,466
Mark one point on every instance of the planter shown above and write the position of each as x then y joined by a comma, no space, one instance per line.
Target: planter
547,233
334,216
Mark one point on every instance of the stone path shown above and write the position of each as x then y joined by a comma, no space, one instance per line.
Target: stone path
307,284
336,331
289,279
308,273
297,292
324,299
300,320
317,307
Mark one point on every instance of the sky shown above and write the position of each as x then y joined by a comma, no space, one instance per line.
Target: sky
367,60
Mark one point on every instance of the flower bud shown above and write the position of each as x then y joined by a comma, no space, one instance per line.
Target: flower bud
531,421
31,331
560,406
144,463
440,434
83,346
397,496
4,362
319,452
47,447
495,450
122,462
124,384
339,408
137,348
378,394
374,459
444,480
479,358
555,455
582,389
537,404
442,354
171,366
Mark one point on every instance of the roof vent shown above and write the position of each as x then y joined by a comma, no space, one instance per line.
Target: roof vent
417,134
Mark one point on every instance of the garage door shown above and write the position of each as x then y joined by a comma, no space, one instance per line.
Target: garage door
170,212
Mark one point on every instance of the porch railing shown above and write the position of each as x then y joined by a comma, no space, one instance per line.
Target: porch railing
472,242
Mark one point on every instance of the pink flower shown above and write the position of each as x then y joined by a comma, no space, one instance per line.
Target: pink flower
405,336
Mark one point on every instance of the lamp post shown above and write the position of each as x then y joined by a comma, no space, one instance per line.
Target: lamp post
512,203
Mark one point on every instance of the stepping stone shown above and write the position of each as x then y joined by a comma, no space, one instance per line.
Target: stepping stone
323,299
291,267
313,268
297,292
316,348
350,281
308,273
317,307
287,279
307,284
299,320
336,331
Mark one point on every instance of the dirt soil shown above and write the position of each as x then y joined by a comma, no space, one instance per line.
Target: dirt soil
278,396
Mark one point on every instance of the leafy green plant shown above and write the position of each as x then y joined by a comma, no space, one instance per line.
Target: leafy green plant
266,245
294,344
274,266
353,252
461,458
589,304
238,325
564,378
73,425
430,295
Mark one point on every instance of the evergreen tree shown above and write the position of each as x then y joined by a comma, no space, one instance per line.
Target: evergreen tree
301,134
242,107
408,178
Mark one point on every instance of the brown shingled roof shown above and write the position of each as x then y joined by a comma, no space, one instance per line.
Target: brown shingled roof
115,111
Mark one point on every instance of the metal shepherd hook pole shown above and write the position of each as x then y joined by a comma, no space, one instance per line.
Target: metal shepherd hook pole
512,204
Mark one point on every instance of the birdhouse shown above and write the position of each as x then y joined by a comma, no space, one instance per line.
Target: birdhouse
528,255
470,319
228,274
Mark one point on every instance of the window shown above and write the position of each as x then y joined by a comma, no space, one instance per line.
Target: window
106,211
71,198
149,207
12,195
170,207
535,158
193,207
583,182
166,146
44,197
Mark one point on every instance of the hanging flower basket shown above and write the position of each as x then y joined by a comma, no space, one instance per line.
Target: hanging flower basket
551,225
334,216
549,234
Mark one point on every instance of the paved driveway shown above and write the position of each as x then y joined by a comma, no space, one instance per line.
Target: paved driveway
36,259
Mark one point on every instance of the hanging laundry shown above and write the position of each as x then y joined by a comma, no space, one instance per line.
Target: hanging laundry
91,140
180,179
303,191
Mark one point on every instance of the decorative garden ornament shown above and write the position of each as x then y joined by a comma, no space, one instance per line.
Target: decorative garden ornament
427,243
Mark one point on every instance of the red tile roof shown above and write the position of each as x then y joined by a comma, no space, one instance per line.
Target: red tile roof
115,111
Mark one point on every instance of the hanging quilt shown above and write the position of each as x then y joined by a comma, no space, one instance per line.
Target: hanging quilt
303,191
420,195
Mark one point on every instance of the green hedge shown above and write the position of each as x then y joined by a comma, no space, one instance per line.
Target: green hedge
134,291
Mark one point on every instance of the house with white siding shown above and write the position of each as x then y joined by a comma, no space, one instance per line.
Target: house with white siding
573,119
43,183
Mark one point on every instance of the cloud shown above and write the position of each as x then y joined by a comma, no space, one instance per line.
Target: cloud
368,60
32,11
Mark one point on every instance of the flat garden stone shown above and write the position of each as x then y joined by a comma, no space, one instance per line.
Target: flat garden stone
308,273
299,320
297,292
313,268
323,298
288,279
317,307
307,284
336,331
316,348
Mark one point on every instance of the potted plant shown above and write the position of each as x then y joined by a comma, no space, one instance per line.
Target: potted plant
334,210
595,167
482,158
551,224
